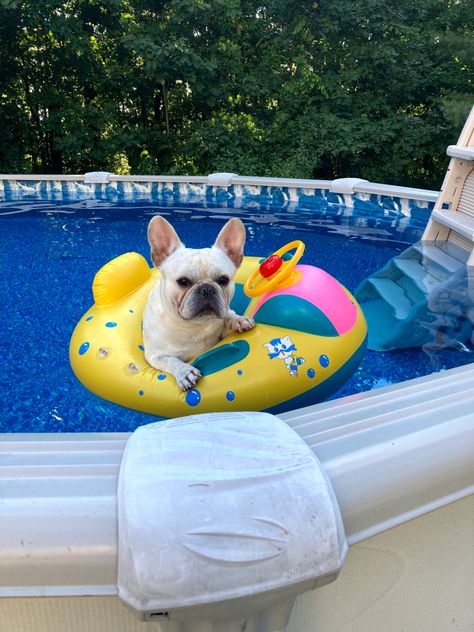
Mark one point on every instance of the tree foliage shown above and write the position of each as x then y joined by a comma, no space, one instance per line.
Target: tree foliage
317,89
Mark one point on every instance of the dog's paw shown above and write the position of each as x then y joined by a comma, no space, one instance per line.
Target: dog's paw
187,377
240,324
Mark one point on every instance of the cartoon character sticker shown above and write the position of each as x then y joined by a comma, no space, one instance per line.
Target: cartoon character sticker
283,349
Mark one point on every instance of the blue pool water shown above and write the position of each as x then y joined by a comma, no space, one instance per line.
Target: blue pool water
50,252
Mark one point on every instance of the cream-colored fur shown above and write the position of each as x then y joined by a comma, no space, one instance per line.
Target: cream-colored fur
179,322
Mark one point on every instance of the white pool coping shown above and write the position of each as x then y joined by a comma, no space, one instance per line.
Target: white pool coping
347,188
392,454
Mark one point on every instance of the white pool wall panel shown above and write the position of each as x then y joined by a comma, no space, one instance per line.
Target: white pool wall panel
58,513
417,577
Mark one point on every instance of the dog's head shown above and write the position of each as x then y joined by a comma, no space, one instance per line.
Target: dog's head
196,283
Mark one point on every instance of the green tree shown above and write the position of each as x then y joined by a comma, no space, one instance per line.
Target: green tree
300,89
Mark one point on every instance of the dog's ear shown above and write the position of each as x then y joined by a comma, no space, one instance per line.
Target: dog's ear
163,239
231,240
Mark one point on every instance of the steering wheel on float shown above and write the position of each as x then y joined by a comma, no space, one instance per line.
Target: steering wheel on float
275,272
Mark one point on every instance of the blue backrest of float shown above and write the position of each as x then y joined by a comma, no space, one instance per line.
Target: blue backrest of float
240,301
293,312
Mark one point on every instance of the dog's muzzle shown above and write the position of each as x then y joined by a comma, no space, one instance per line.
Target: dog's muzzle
206,291
203,299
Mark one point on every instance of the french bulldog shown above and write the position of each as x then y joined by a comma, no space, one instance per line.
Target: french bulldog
187,311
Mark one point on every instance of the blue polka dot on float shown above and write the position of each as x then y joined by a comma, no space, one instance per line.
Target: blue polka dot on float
193,397
83,348
324,361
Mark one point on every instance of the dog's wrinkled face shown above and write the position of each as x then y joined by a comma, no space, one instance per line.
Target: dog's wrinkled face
196,283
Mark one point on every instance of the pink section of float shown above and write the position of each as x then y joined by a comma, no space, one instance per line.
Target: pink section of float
322,290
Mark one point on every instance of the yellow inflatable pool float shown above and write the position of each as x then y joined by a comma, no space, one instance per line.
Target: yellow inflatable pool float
309,339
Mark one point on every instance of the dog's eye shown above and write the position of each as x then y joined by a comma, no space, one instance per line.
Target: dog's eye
223,280
183,282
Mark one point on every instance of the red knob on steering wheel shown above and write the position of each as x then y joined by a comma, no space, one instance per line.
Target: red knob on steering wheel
274,272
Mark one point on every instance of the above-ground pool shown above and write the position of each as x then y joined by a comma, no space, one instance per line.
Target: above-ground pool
50,252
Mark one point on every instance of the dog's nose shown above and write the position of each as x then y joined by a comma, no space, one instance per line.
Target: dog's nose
207,290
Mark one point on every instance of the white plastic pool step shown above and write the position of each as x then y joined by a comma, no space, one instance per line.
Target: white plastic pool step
460,152
422,296
391,454
413,270
438,258
394,295
459,222
452,219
